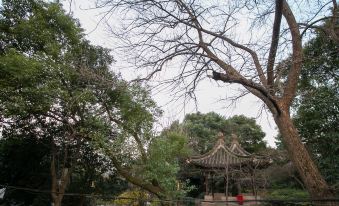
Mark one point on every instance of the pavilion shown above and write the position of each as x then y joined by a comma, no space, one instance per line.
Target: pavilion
231,164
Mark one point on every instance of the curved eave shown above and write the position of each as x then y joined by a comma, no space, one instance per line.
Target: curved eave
220,157
240,152
233,163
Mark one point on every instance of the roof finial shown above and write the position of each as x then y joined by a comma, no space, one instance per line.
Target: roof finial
221,137
234,138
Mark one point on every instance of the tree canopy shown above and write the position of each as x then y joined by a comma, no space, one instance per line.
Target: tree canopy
57,88
202,130
317,105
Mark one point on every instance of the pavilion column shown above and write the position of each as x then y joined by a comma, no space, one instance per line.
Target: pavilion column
227,177
253,182
226,185
212,186
206,183
238,185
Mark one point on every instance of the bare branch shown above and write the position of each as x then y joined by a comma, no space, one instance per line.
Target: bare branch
274,42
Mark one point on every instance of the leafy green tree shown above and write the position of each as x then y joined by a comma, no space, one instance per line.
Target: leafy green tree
42,94
57,87
316,113
317,108
202,130
163,165
250,134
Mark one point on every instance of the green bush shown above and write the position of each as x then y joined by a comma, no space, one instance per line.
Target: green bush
287,194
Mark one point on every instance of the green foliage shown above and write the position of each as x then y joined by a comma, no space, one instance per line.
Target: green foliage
163,162
203,129
317,108
31,170
321,64
250,134
287,194
57,88
35,27
73,88
201,132
132,198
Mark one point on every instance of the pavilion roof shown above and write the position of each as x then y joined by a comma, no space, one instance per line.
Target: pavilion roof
221,156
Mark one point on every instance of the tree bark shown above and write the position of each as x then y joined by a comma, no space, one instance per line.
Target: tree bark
58,187
56,200
313,180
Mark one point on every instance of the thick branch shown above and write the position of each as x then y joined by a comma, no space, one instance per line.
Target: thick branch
274,41
136,181
254,88
240,46
233,76
140,146
293,75
130,178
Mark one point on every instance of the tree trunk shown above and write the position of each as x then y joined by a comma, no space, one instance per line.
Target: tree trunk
58,185
313,180
56,202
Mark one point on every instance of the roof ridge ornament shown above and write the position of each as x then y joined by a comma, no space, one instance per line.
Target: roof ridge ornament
221,136
220,141
235,139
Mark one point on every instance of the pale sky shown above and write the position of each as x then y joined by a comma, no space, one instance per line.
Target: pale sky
209,94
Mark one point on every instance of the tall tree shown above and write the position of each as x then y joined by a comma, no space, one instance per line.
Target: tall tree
165,153
317,105
57,87
250,134
204,36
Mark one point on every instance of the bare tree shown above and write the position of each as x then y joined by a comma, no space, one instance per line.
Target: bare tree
211,39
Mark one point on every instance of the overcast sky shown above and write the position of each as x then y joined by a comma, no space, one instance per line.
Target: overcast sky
209,94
